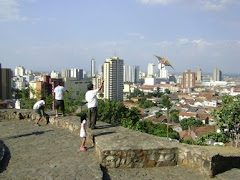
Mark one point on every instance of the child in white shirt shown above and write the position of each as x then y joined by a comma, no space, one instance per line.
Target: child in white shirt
83,132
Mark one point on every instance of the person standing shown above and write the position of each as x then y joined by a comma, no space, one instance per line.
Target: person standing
59,98
38,107
83,132
92,102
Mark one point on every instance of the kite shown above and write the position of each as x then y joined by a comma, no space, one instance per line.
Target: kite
164,61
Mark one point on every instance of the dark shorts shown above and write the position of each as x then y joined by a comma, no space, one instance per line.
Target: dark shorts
59,104
38,111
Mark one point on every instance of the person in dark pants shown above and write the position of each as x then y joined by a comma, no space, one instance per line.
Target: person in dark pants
59,98
92,102
38,107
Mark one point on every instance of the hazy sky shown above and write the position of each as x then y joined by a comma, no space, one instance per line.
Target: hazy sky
50,35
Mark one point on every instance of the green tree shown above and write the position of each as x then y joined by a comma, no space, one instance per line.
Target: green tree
49,102
27,103
166,104
167,91
111,111
228,117
144,103
190,122
174,116
137,93
158,114
72,104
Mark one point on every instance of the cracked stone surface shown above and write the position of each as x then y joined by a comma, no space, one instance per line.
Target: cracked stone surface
51,153
45,152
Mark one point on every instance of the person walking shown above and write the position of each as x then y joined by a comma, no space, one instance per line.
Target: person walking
59,98
83,132
92,103
38,107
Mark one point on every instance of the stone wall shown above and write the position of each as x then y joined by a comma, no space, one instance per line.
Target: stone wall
196,158
138,158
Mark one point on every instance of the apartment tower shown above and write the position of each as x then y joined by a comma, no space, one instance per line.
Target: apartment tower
150,71
113,79
6,84
217,75
131,74
93,67
199,75
189,79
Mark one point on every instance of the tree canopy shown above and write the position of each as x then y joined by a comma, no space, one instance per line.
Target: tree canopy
228,116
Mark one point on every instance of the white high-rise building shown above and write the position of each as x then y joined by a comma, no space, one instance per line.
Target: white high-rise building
131,74
163,72
77,73
113,79
150,71
55,74
66,73
100,69
19,71
93,68
217,75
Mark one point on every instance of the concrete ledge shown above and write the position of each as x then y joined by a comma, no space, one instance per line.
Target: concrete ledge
121,147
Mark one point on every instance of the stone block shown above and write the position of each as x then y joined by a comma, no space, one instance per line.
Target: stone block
151,163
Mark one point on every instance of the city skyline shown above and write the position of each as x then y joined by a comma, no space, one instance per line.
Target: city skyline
53,35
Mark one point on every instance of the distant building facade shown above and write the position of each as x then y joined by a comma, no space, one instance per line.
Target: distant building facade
150,71
19,71
217,75
6,84
189,79
131,74
199,75
113,79
93,68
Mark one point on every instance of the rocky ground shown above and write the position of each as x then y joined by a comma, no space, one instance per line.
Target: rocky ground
50,153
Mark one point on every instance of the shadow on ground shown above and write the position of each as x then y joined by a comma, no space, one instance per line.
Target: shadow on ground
105,173
6,158
28,134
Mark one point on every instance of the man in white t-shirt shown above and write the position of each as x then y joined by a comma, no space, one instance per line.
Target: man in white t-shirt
91,98
38,107
59,98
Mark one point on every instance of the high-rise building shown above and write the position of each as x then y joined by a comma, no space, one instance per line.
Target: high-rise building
189,79
93,68
6,84
163,72
55,74
19,71
136,74
150,71
77,73
113,79
100,69
217,75
66,73
199,75
131,74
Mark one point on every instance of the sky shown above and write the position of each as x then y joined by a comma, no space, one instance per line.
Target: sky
51,35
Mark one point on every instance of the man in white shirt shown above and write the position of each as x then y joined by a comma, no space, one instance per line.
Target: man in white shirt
59,98
91,98
38,107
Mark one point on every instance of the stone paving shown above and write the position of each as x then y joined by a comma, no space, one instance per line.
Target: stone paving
50,153
45,152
